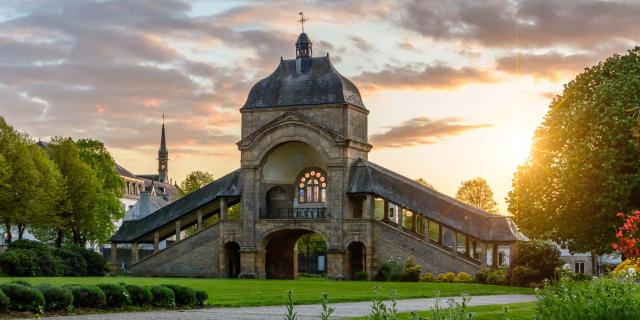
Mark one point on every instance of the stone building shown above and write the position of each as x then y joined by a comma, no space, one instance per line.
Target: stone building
304,169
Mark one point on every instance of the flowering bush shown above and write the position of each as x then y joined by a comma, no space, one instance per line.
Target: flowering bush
446,277
627,235
628,267
462,277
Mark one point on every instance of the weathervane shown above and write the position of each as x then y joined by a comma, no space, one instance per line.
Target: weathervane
302,20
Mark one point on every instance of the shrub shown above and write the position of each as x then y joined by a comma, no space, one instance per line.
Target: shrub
116,296
56,298
163,297
140,296
482,275
360,276
22,283
74,262
462,277
630,263
427,277
540,256
201,298
389,271
48,264
601,298
4,302
185,296
23,298
412,271
88,297
446,277
522,275
498,277
97,265
19,263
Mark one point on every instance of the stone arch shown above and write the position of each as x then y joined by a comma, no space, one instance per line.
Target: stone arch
231,259
356,258
279,247
277,200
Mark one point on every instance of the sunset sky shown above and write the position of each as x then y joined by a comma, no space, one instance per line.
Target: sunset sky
455,89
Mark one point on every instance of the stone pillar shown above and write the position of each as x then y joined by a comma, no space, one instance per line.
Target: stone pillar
414,221
335,264
400,214
455,242
134,252
223,209
199,219
114,253
494,256
178,230
425,224
467,246
250,266
512,253
385,217
156,242
368,264
483,255
370,207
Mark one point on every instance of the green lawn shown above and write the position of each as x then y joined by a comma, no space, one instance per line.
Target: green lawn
516,311
236,293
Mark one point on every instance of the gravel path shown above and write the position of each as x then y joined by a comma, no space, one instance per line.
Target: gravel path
310,311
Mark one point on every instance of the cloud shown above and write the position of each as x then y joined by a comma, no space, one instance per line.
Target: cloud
539,23
550,65
420,131
421,76
362,44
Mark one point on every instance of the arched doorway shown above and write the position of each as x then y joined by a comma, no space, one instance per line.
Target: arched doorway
281,256
232,254
278,203
357,258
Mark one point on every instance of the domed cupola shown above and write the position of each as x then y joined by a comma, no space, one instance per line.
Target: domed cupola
304,47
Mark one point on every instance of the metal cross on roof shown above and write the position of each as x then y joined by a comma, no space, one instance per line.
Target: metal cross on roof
302,20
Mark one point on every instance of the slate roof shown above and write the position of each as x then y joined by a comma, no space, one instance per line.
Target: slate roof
227,186
369,178
145,206
126,173
289,85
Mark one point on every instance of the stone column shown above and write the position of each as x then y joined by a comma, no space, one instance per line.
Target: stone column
495,256
414,221
425,223
134,252
455,242
178,229
223,209
335,264
385,217
370,207
156,242
114,253
199,219
250,267
368,263
400,214
483,255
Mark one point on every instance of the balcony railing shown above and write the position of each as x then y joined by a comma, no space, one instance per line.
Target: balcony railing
294,213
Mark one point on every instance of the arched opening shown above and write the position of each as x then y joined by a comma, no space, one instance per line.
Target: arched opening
232,255
282,253
278,203
357,258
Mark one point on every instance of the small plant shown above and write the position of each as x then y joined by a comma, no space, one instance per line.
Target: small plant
427,277
390,271
56,298
201,298
163,297
360,276
291,314
326,309
412,270
379,310
140,296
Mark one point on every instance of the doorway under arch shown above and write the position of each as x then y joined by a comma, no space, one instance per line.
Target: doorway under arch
357,258
232,255
281,256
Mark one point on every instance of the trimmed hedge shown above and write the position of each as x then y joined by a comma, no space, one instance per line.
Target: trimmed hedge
56,298
163,297
4,301
23,298
185,296
140,296
88,297
201,298
116,295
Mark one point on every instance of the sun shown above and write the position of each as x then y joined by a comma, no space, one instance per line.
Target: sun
518,144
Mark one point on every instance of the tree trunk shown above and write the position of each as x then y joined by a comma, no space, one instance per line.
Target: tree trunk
594,264
59,238
21,228
7,228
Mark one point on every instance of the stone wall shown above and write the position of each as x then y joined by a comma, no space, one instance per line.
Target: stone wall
390,242
195,256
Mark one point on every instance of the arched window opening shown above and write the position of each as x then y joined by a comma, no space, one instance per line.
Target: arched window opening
312,186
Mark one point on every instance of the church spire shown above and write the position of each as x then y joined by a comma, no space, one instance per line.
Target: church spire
163,158
303,45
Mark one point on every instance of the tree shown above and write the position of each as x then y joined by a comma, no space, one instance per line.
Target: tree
196,180
309,244
425,183
585,160
476,192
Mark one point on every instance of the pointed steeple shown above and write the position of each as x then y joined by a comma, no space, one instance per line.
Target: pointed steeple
163,158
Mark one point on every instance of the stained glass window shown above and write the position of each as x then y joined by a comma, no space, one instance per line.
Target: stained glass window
312,187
